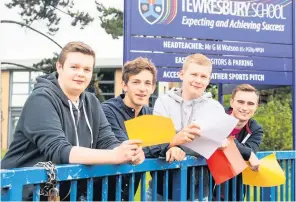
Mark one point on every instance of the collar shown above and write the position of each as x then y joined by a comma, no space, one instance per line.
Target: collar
229,111
129,110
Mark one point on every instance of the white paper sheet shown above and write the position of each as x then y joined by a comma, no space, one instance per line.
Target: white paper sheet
215,128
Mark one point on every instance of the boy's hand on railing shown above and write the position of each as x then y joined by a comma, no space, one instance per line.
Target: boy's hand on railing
175,153
254,162
186,135
139,157
125,152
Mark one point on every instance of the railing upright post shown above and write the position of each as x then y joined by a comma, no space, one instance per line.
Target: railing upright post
267,193
15,193
180,183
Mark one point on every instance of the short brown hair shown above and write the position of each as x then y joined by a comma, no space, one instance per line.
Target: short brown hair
245,88
75,46
137,65
197,58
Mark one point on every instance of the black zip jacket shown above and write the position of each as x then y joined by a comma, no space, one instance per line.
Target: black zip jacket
250,145
253,142
117,112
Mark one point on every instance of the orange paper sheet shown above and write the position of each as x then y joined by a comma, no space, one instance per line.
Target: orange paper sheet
226,164
151,129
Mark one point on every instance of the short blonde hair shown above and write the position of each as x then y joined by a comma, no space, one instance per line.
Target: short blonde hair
198,59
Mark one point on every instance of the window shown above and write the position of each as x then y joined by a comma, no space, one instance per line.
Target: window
107,87
22,84
14,120
18,100
20,88
154,96
21,77
106,82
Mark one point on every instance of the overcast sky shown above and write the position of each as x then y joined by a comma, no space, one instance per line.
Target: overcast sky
20,43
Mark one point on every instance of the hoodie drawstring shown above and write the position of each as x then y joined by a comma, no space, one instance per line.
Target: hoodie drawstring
88,124
75,126
190,116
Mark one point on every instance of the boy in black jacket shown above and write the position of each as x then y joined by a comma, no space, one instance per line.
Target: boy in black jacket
138,83
63,124
248,133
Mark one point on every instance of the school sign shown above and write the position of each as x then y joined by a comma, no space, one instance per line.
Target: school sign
247,41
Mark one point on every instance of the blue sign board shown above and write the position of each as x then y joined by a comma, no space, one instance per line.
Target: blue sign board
237,77
250,38
221,62
210,47
248,41
255,21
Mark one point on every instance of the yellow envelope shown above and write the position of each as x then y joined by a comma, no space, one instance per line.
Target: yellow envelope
270,173
151,129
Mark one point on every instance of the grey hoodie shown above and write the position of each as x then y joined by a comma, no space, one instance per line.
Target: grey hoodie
182,112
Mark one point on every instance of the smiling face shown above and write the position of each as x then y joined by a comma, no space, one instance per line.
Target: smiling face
75,74
138,89
244,105
195,79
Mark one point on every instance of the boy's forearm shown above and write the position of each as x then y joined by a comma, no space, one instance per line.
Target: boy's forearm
83,155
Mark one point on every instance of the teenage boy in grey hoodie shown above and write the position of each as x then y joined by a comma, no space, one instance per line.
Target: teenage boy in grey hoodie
182,105
63,124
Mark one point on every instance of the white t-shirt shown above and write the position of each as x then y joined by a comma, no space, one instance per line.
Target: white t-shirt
76,104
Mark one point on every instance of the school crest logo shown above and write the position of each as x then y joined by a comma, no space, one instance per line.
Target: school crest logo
158,11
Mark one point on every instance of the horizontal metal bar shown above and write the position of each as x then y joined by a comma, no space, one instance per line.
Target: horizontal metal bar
280,155
35,175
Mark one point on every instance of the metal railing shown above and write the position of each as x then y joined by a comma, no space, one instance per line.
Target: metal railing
178,181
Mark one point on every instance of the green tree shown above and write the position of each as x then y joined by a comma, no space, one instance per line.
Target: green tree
111,20
282,94
276,120
213,89
52,11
